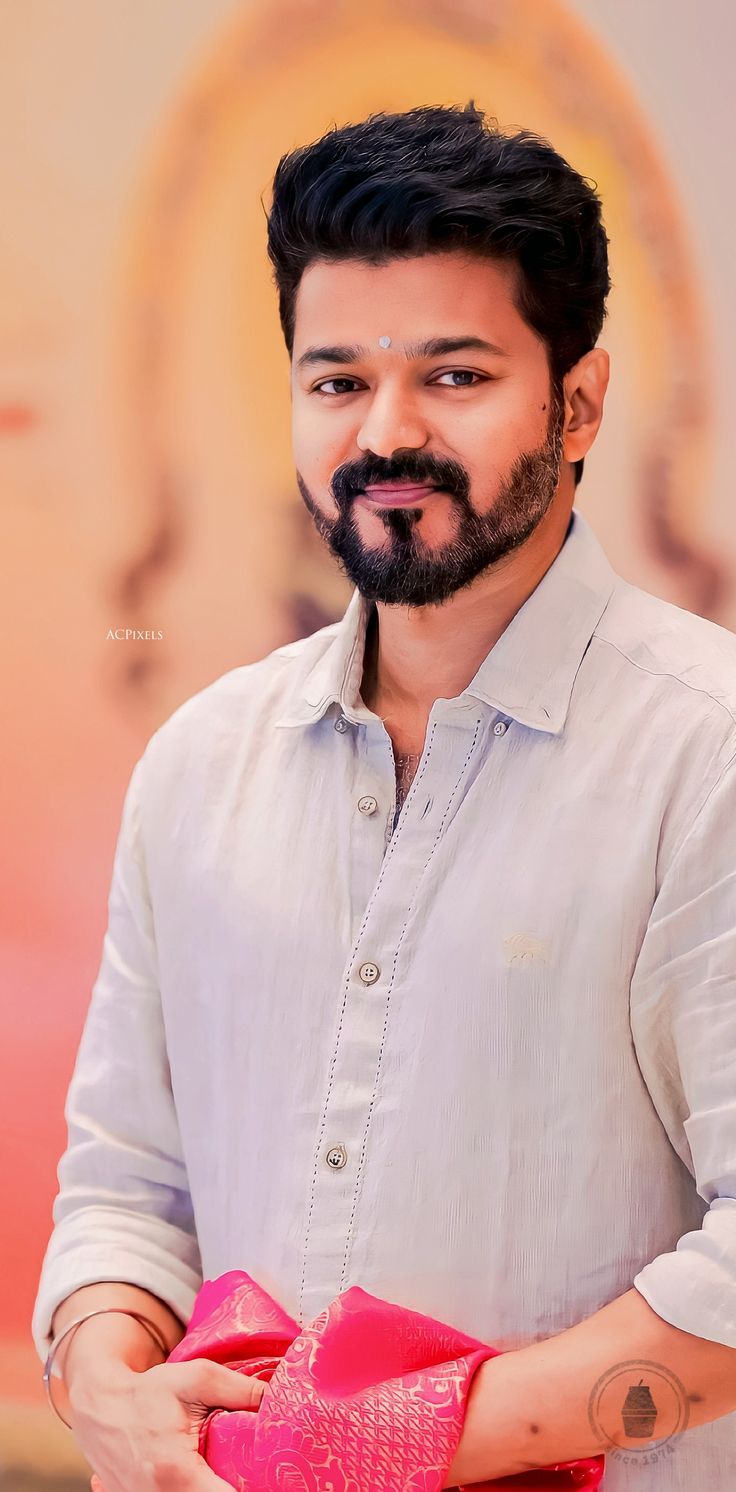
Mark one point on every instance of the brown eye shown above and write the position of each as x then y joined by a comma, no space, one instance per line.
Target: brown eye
465,373
322,388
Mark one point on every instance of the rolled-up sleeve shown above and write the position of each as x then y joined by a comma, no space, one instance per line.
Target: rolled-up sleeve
683,1020
123,1210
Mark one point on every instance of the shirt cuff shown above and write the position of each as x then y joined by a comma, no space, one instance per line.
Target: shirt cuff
694,1286
101,1244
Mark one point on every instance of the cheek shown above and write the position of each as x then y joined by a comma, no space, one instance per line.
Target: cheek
302,435
317,443
491,436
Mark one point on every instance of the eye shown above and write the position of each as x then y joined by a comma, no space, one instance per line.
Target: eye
322,388
465,373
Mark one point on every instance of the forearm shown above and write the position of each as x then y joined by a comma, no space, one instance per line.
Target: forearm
113,1338
532,1407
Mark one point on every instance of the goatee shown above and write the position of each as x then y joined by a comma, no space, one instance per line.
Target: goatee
405,571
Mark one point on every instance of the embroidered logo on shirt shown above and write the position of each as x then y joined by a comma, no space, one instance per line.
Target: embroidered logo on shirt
522,948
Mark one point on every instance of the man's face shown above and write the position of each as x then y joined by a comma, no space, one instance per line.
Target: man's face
479,425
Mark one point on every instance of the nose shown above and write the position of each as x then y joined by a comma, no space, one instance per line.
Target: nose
392,422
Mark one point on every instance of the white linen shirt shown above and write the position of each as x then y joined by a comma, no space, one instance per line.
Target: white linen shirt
483,1065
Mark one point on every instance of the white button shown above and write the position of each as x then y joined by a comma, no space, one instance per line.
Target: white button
341,724
369,973
500,728
336,1157
367,805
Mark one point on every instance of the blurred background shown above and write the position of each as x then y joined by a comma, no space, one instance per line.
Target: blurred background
146,479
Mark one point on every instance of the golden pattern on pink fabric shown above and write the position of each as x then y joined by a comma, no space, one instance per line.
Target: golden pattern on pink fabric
370,1397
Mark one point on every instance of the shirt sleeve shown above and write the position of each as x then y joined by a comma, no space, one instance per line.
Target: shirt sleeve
683,1021
123,1210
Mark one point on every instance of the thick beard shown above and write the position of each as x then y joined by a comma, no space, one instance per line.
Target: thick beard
406,572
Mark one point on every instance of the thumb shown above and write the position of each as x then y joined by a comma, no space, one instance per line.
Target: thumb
227,1388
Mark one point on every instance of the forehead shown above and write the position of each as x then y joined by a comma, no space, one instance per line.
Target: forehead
351,301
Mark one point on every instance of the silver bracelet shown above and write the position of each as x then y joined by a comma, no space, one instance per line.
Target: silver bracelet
150,1326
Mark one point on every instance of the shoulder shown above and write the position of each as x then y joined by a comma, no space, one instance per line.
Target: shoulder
676,654
662,682
221,717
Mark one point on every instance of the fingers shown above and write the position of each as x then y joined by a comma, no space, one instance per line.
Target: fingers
223,1388
201,1479
198,1477
205,1480
197,1385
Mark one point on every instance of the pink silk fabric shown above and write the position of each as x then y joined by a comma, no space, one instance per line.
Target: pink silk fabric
370,1397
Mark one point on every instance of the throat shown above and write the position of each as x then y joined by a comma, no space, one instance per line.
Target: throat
406,730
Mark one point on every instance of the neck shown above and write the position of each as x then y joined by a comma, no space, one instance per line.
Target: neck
414,656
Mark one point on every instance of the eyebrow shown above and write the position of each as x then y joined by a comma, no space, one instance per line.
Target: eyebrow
436,347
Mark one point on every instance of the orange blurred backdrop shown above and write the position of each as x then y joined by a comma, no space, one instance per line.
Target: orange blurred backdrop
145,468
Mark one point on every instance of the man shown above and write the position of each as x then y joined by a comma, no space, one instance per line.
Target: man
420,968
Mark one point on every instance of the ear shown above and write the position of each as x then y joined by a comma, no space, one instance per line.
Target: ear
585,390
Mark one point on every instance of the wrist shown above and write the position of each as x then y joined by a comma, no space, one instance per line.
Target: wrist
93,1385
112,1343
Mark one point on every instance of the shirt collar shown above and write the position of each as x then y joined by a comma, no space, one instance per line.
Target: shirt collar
529,672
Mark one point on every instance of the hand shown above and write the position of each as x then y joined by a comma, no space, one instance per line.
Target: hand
140,1431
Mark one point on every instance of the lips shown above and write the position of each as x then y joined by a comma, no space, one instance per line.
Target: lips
399,494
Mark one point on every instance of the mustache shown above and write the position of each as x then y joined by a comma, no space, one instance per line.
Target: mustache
350,479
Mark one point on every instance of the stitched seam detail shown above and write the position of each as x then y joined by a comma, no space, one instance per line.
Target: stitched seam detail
336,1048
664,673
438,836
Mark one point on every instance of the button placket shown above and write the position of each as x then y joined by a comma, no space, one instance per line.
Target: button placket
381,894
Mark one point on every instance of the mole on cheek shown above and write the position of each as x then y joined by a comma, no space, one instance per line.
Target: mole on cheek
534,1429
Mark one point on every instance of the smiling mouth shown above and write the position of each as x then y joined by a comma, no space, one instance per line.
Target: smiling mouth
399,494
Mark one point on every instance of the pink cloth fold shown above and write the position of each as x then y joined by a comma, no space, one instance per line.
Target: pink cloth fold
370,1397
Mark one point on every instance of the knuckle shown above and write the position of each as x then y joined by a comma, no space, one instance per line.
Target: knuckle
199,1372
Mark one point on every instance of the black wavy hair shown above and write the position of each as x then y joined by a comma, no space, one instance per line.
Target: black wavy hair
440,178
